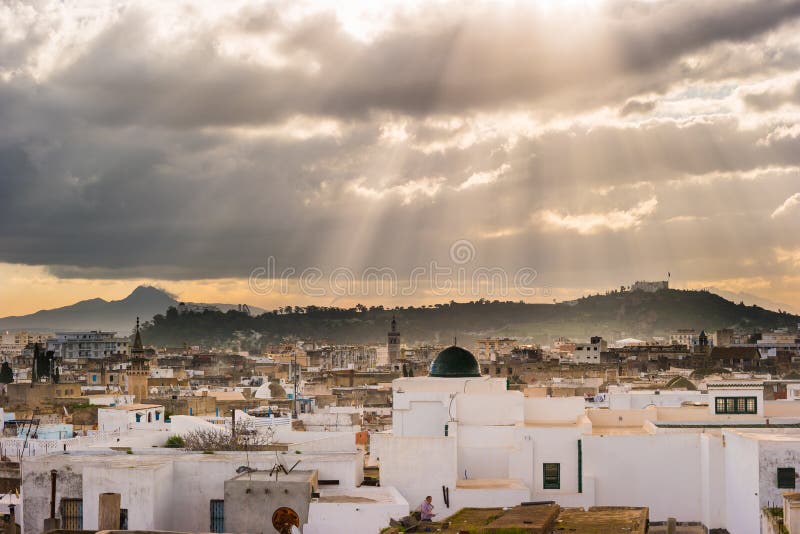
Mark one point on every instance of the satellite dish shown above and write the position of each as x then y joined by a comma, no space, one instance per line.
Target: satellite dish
284,518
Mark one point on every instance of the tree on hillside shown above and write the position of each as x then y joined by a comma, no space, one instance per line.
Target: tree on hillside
6,374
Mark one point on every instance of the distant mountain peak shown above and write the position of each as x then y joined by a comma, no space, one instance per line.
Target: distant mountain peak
150,291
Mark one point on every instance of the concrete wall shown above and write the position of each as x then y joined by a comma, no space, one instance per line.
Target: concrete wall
419,466
781,408
561,409
617,417
772,455
489,409
742,509
483,451
424,416
143,491
354,517
660,471
712,481
250,503
555,445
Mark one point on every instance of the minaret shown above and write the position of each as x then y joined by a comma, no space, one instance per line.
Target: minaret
139,369
393,342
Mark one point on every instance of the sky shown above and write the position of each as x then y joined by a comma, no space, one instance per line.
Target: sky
586,144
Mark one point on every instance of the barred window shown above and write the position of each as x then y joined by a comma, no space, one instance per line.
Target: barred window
736,405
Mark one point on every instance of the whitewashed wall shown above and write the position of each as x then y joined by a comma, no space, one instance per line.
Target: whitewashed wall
661,472
742,509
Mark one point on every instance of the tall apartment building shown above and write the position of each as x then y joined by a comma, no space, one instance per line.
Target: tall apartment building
13,343
93,344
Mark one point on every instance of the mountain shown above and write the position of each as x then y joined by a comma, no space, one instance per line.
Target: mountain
97,314
614,315
750,299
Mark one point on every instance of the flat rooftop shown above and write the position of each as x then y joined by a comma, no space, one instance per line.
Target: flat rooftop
538,519
363,494
491,483
618,430
723,424
131,407
603,520
771,436
266,476
545,518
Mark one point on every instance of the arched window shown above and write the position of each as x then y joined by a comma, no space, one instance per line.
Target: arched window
138,418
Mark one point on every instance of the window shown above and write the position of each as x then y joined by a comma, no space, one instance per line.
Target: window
786,477
551,476
72,514
735,405
217,515
123,519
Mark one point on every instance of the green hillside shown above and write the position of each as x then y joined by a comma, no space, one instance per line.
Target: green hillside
616,314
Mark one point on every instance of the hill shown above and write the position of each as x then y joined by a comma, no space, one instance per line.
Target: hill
616,314
96,314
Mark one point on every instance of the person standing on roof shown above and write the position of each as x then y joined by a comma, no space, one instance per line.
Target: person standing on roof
426,509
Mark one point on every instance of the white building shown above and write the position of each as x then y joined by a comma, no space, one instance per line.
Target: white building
176,490
94,344
128,416
487,446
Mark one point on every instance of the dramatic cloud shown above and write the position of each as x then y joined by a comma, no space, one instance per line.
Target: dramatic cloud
186,141
591,223
789,205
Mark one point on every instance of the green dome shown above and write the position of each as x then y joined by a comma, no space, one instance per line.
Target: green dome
455,362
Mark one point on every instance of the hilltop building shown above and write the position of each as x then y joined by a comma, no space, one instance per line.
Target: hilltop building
650,287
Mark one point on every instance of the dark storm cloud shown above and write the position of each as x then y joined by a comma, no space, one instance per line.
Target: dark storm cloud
772,99
634,106
138,156
480,58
